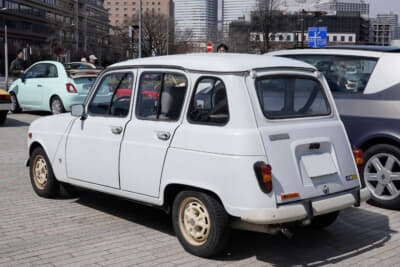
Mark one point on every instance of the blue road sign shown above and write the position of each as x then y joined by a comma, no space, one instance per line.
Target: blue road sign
317,37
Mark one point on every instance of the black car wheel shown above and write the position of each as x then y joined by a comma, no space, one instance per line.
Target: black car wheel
15,108
3,116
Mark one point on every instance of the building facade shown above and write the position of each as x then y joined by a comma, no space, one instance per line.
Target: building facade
334,6
393,20
195,20
50,29
120,11
233,10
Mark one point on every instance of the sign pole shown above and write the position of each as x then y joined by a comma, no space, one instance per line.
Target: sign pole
140,28
6,55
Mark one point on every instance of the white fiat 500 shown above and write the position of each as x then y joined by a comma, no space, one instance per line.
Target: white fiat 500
219,141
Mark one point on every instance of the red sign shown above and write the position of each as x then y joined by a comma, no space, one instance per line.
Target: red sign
209,47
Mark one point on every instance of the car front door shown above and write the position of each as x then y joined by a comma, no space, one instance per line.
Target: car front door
93,145
160,100
31,92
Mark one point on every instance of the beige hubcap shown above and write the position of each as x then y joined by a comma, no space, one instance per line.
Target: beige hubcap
194,221
40,172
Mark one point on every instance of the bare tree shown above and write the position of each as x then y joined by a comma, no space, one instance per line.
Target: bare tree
155,28
263,20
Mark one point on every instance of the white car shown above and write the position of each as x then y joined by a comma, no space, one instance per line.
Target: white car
217,140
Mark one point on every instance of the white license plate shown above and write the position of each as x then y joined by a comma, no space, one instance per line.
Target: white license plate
318,165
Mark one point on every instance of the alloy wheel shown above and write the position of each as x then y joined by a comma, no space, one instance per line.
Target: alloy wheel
382,176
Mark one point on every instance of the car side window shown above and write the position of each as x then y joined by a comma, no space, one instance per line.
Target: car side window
113,95
37,71
161,96
345,74
52,71
209,104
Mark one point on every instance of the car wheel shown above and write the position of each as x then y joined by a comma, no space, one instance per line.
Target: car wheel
200,223
322,221
15,108
43,180
3,116
57,106
381,174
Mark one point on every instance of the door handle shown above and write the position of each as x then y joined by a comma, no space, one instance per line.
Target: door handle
163,136
116,129
39,85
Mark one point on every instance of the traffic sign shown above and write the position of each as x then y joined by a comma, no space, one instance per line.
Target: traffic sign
317,37
209,47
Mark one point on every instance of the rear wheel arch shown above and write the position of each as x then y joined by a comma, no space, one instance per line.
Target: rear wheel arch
383,140
172,190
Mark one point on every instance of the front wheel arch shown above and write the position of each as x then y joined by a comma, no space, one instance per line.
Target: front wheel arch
52,99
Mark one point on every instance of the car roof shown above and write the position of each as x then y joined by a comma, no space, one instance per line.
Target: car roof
374,48
214,62
328,51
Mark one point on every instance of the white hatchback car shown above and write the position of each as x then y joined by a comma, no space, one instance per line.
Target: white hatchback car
218,140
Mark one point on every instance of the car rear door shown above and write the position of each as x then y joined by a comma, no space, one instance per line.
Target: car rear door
93,144
159,103
304,139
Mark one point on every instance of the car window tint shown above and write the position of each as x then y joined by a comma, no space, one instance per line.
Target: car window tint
37,71
161,96
346,74
113,95
210,103
291,97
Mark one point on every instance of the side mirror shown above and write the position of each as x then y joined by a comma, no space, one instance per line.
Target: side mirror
78,111
22,77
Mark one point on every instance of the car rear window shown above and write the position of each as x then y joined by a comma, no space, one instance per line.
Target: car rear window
345,74
284,97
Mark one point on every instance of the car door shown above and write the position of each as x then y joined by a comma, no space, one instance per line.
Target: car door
93,144
31,92
160,100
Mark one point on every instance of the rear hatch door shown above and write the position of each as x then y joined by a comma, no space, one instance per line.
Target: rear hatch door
305,141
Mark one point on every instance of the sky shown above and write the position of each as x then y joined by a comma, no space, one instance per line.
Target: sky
384,6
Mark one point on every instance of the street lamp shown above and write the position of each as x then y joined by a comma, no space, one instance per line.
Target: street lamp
5,49
140,28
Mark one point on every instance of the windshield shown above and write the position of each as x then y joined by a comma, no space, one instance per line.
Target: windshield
283,97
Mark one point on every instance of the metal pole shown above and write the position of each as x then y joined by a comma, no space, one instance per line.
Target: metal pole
140,28
302,28
76,25
85,30
167,35
6,55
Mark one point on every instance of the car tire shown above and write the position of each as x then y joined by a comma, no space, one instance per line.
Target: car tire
200,223
15,108
41,173
56,106
322,221
384,185
3,116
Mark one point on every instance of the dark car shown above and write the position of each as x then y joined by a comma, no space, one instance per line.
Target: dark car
365,82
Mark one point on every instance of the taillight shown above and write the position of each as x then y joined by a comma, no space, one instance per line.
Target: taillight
358,156
5,97
264,176
71,88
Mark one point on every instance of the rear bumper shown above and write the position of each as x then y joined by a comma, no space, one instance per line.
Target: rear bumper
5,106
306,209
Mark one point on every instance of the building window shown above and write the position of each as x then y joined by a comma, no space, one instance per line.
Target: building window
350,38
343,38
335,38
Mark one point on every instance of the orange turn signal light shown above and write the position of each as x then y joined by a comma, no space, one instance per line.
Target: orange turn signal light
358,156
290,196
